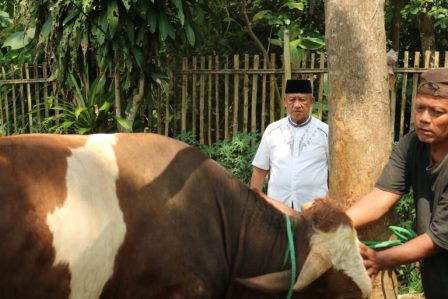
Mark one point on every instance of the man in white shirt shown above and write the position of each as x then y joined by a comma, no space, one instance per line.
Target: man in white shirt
294,151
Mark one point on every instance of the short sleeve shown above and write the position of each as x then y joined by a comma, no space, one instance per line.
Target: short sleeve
394,176
438,228
261,159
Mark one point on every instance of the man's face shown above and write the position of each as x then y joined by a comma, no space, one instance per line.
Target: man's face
431,119
299,106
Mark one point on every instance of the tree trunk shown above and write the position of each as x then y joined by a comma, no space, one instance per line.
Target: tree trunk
136,101
396,24
117,87
359,117
426,29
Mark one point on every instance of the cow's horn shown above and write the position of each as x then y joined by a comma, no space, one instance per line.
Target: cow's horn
306,205
271,283
316,264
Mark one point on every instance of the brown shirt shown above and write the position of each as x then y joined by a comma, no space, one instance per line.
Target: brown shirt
410,166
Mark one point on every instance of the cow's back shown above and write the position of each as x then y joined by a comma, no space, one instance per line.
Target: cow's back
105,215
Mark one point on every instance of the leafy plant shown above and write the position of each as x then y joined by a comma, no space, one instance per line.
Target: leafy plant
235,154
408,275
88,113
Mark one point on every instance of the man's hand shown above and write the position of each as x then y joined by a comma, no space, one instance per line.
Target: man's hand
371,260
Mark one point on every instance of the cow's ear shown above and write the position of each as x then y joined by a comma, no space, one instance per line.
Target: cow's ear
276,204
271,283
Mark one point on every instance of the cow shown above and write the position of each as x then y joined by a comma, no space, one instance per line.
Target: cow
146,216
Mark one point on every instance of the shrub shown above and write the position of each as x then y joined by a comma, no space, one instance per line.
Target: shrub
235,154
409,280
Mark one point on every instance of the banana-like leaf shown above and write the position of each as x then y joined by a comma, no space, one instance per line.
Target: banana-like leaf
112,17
260,15
152,20
180,11
123,122
165,27
190,35
126,4
17,40
294,5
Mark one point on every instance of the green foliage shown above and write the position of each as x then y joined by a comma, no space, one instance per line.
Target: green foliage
436,9
90,113
235,155
408,275
289,15
15,40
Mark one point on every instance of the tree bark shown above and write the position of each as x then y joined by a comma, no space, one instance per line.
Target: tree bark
136,101
117,87
396,24
427,34
359,111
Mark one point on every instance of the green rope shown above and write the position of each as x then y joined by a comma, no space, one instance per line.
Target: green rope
292,255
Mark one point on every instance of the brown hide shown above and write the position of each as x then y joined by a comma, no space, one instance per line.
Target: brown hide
191,228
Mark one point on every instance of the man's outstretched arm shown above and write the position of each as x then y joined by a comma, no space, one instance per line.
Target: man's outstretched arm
371,207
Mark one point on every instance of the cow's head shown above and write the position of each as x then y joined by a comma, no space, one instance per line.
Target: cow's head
333,267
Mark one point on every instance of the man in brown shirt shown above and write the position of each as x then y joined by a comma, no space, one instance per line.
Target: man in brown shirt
420,162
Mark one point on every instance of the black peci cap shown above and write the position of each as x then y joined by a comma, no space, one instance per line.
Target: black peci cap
298,86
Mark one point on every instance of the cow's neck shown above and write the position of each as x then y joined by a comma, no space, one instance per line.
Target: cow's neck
259,238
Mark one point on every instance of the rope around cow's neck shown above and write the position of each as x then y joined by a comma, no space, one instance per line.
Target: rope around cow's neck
292,255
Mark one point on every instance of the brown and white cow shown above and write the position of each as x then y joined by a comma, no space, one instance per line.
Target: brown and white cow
144,216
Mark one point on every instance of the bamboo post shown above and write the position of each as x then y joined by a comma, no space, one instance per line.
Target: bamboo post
436,59
167,108
56,100
320,95
446,58
246,93
37,94
311,77
7,124
22,98
286,55
304,62
236,80
226,99
393,103
217,135
193,97
184,96
404,86
45,75
14,108
201,101
414,87
295,65
209,102
28,92
427,59
272,91
175,106
263,95
5,94
254,97
313,61
283,88
166,123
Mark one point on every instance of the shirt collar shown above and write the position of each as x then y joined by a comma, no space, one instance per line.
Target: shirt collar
306,122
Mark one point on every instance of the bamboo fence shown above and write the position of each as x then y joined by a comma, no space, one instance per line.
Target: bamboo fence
214,97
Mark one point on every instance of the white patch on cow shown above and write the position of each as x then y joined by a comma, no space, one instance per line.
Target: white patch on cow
89,228
345,255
